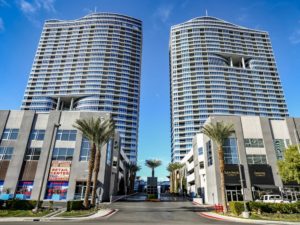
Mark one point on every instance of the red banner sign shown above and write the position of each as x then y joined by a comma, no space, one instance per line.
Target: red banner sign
60,171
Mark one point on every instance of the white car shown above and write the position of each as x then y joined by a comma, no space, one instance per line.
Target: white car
272,199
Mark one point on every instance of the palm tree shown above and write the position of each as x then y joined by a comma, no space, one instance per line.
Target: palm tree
105,132
133,168
172,168
152,164
89,128
219,132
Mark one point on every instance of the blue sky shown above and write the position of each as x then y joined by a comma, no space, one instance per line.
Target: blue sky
21,24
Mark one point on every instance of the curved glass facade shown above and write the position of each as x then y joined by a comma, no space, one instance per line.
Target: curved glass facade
219,68
90,64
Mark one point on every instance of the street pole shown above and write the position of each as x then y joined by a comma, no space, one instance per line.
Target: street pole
246,211
55,127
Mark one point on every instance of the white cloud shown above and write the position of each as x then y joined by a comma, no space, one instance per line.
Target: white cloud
295,36
31,7
27,7
1,24
163,13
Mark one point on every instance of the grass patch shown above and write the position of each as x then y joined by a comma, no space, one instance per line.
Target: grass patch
78,213
22,213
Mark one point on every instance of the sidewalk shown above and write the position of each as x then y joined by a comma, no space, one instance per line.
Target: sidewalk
100,214
212,215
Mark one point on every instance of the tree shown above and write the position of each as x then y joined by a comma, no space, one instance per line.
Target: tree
106,131
152,164
289,167
172,168
89,128
219,132
132,168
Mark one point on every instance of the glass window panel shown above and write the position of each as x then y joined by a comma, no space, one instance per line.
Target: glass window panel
65,136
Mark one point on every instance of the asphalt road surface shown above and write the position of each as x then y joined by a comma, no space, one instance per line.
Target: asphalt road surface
136,211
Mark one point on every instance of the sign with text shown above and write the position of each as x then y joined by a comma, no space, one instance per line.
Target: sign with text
60,171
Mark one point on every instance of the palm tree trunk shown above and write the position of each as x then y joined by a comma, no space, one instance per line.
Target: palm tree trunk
132,178
222,178
171,182
174,181
90,174
152,172
96,172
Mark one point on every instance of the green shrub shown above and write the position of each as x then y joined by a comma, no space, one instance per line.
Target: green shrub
283,208
17,204
236,208
152,196
75,205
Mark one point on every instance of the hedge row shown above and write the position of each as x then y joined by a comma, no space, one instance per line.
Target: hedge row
16,204
259,207
74,205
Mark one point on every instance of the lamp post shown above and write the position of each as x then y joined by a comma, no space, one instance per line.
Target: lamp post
55,127
246,211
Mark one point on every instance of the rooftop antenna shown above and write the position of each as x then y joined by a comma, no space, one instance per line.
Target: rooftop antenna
206,13
95,9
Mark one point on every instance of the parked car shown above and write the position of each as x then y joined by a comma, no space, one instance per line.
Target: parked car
272,199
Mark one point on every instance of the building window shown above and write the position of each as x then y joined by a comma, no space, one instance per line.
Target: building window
230,151
66,135
209,154
57,190
33,154
80,190
10,134
280,146
6,153
63,154
200,151
254,143
85,150
24,188
37,135
256,159
108,155
201,165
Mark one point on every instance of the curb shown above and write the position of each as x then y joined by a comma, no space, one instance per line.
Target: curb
48,219
215,216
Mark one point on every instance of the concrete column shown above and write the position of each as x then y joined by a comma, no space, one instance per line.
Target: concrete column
270,151
231,62
20,145
3,119
243,63
58,103
196,166
54,118
72,103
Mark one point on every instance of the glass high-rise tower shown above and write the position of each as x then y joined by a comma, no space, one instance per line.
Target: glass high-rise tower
217,67
90,64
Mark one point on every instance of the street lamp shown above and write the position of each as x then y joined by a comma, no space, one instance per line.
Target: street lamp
55,127
246,211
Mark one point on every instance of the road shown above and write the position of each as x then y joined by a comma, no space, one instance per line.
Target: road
137,211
